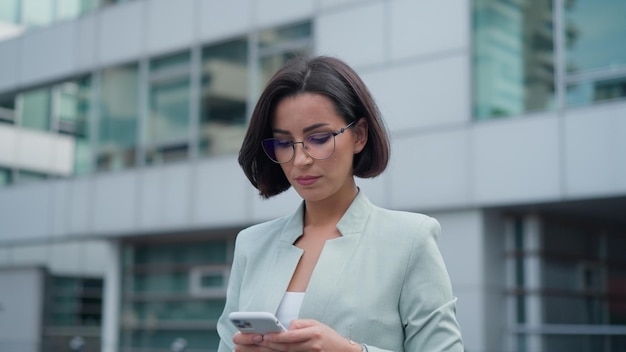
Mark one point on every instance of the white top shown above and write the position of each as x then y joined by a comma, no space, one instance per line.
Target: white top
289,307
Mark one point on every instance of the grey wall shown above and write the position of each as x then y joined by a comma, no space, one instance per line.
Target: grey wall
21,308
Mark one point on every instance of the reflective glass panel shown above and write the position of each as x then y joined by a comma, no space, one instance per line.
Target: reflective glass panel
595,33
159,339
167,128
37,13
223,98
5,177
24,176
117,130
74,8
35,109
587,92
72,117
7,109
279,45
513,57
159,303
9,11
277,36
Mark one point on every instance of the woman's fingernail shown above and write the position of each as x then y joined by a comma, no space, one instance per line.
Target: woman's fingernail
257,338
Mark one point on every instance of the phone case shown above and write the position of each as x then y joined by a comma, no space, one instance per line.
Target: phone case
256,322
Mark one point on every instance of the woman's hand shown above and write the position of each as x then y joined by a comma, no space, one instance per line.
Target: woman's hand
303,335
248,342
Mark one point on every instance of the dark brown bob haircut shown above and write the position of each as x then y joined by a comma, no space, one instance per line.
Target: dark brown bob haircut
352,100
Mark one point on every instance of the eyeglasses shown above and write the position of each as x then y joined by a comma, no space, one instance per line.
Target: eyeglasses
320,146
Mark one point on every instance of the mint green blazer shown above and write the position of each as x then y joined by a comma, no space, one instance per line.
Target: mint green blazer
382,283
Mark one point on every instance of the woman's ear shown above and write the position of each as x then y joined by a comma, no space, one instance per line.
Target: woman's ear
360,135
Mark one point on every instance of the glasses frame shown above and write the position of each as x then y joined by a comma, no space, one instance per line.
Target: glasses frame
293,145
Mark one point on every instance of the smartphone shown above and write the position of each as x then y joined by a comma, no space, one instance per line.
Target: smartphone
256,322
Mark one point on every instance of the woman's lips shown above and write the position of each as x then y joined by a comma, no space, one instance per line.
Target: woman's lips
306,180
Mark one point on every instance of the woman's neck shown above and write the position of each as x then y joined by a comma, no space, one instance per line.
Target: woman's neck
329,211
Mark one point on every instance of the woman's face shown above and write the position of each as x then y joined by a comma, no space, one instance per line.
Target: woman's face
301,115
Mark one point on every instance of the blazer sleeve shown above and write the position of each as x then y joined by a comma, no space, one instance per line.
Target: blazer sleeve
427,305
225,329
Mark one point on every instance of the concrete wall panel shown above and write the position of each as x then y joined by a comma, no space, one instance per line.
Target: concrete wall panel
431,170
224,19
170,25
423,94
276,12
115,203
10,68
417,27
121,33
356,34
595,151
220,193
516,161
48,54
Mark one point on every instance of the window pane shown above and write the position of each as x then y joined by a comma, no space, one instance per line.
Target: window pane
7,109
513,57
595,32
9,11
158,302
278,36
74,8
118,118
161,340
24,176
586,92
73,109
578,343
168,123
35,109
196,310
37,13
5,177
617,300
279,45
224,96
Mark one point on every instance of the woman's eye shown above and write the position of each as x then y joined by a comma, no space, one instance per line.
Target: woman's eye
319,138
282,143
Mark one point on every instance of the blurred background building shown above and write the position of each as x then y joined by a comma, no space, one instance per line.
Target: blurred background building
120,193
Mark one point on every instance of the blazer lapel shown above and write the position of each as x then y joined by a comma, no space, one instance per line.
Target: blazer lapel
285,261
336,254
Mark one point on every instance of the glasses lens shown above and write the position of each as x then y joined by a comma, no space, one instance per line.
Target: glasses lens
320,145
279,150
317,145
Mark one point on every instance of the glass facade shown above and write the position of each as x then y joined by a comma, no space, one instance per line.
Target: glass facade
594,51
38,13
168,126
74,309
10,11
173,291
513,57
517,50
118,120
147,113
7,109
6,177
224,96
570,291
72,116
35,107
278,45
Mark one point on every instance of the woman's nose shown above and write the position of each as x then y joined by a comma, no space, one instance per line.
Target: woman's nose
301,157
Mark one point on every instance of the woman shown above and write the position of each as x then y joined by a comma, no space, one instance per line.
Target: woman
339,269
